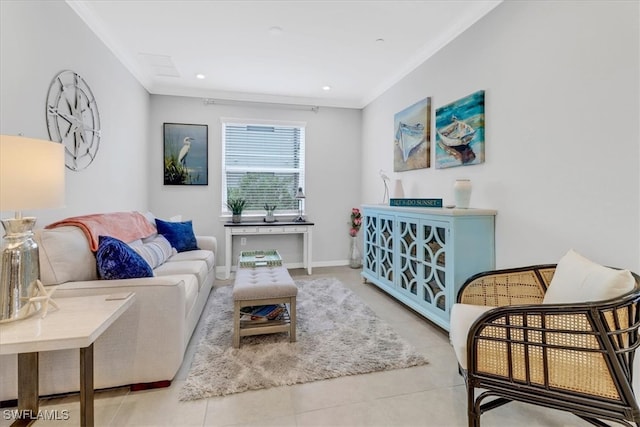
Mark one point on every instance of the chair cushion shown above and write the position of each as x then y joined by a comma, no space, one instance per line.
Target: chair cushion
578,279
462,317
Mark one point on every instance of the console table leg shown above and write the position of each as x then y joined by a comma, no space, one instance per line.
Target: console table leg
228,252
86,386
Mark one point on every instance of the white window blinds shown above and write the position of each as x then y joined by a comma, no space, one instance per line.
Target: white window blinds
263,164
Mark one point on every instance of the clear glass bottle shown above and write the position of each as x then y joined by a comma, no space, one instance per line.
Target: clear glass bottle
355,257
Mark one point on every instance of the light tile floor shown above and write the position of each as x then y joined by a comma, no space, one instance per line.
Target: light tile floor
430,395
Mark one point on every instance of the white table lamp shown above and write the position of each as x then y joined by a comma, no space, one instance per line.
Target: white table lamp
32,173
299,196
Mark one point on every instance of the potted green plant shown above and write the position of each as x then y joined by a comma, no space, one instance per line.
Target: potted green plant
270,210
236,206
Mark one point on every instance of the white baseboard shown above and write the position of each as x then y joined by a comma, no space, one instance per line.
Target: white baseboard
221,270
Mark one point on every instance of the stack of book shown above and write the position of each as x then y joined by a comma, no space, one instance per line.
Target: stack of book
267,314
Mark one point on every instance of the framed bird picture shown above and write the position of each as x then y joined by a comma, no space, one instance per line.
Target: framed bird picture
186,154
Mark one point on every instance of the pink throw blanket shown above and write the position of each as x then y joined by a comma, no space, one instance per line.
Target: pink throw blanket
126,226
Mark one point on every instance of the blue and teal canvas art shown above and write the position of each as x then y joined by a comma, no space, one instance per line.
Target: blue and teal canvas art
460,132
185,154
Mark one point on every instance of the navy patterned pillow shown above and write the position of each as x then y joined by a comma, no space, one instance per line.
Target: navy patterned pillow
116,260
179,234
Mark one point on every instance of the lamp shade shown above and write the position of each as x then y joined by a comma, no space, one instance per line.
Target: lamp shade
31,173
299,193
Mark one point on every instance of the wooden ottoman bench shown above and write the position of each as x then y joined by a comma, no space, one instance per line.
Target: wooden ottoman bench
263,286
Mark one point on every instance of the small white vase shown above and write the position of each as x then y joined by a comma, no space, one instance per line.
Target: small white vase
462,193
398,190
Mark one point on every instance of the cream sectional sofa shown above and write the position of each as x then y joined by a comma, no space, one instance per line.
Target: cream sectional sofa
148,342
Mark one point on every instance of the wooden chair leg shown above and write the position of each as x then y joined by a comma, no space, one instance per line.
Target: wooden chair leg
473,412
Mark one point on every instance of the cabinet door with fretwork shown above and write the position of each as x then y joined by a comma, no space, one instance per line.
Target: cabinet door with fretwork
434,236
386,245
409,257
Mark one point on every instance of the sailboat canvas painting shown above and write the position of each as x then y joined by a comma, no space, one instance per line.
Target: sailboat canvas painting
460,132
412,137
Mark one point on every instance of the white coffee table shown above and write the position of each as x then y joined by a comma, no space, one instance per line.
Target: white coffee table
76,324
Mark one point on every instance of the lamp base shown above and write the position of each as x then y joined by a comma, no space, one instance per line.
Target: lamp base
20,268
300,219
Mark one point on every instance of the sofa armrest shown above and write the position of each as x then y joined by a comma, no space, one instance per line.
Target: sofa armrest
70,288
515,286
209,243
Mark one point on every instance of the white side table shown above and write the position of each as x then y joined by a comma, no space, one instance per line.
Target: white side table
76,324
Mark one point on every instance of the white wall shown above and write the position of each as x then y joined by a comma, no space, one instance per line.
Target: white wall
333,173
38,39
562,128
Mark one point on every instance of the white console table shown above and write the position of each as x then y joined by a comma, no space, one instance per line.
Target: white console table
77,323
268,228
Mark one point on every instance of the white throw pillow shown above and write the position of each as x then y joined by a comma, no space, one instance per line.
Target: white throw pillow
152,218
65,256
154,251
578,279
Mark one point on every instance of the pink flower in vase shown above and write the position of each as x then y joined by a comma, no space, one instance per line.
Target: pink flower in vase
356,222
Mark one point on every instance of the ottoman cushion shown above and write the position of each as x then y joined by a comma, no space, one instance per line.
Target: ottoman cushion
263,283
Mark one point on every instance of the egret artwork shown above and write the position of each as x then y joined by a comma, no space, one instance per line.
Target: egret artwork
182,157
185,154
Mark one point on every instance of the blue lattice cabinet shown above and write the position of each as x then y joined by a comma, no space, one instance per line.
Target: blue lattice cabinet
422,256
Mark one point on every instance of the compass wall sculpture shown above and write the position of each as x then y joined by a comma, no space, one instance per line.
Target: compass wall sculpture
73,119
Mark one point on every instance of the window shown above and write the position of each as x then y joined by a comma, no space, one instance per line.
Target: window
263,164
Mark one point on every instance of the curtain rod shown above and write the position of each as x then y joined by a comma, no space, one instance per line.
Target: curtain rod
211,101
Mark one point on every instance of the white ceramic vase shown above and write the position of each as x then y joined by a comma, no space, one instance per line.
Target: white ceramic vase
398,190
462,193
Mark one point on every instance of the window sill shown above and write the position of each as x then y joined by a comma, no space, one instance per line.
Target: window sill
258,217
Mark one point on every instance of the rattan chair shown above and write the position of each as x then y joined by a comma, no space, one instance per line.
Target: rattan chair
572,357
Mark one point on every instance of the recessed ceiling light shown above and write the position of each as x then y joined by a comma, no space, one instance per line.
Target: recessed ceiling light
275,30
326,88
200,76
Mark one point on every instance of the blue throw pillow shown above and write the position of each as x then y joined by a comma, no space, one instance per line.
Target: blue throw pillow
179,234
116,260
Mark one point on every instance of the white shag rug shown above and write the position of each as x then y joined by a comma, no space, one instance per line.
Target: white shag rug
338,334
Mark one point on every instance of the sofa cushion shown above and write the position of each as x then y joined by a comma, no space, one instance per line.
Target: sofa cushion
179,234
65,256
191,289
196,267
578,279
154,251
116,260
198,254
462,317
